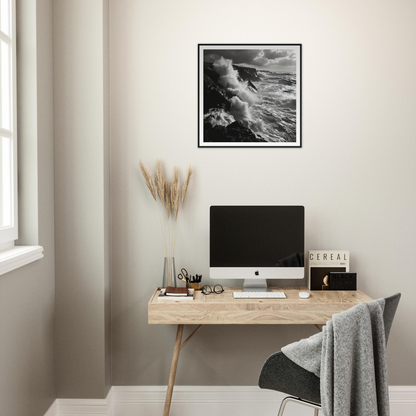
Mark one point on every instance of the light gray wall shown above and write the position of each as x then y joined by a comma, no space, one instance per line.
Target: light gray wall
27,295
355,173
82,198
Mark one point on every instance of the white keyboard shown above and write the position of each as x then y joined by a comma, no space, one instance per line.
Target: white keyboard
259,295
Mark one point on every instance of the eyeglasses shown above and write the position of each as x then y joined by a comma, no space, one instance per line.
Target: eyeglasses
207,290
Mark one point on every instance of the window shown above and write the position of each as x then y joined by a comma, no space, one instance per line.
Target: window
8,145
11,256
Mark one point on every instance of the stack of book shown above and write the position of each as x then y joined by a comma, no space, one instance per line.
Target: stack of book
176,293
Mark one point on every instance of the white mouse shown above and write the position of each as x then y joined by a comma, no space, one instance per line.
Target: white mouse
304,295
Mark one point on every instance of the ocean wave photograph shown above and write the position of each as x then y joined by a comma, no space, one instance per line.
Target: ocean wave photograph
249,95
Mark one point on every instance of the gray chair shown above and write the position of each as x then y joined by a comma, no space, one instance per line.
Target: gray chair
281,374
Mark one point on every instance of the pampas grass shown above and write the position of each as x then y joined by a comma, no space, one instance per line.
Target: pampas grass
174,193
160,181
148,179
170,199
166,197
186,183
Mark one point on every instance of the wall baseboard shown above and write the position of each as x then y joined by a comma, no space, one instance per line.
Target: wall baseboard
402,400
83,407
204,401
53,410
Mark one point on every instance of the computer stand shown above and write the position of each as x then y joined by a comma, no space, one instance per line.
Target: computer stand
255,285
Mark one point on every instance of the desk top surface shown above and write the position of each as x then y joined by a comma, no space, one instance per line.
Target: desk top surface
217,309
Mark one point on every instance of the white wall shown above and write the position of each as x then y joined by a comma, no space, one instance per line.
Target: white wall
82,340
355,173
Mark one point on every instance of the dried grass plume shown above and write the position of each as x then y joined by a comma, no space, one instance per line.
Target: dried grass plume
186,183
160,180
148,179
175,194
167,197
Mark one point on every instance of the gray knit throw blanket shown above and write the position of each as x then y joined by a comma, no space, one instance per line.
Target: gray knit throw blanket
349,356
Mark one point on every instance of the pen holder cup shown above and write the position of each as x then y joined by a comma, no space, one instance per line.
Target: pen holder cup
195,286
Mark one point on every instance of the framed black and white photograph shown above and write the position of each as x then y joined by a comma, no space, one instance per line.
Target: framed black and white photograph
249,95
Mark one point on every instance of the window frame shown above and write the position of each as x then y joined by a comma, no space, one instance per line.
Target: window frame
9,233
14,256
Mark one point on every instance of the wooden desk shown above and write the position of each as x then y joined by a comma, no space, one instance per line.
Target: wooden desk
223,309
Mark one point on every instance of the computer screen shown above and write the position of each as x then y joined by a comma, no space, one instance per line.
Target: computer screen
256,242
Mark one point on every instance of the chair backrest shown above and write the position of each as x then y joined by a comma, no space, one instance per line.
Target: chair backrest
389,312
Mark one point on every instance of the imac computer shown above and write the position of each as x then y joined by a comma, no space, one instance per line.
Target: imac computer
256,243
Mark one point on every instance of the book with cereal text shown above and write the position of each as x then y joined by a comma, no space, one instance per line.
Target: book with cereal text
322,262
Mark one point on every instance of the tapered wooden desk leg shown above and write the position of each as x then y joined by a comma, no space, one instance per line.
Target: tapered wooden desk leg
173,368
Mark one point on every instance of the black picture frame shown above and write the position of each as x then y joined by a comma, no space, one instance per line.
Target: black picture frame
250,95
319,272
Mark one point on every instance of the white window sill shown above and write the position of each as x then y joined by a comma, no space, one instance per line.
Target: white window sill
18,256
